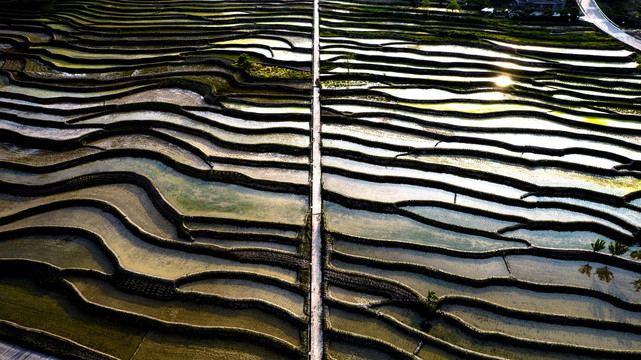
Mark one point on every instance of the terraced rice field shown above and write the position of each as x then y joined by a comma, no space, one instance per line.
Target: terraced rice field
154,191
154,197
487,158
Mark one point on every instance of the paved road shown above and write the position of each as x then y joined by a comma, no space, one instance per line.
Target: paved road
315,329
594,15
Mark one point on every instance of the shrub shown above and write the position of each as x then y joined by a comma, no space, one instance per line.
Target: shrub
453,6
253,69
244,62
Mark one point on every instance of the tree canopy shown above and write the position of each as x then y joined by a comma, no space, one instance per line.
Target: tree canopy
453,6
617,248
598,245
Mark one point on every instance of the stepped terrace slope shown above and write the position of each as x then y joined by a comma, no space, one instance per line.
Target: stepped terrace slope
488,155
154,182
154,194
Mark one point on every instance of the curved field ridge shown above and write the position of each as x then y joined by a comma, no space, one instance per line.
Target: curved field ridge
153,194
468,165
155,182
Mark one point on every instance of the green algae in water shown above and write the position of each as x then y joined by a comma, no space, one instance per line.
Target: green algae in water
395,227
190,313
473,268
62,251
161,346
247,289
352,297
191,196
347,350
458,337
129,199
551,271
506,296
27,304
371,327
540,331
136,255
459,218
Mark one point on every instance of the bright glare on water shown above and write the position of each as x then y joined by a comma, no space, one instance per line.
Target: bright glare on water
503,81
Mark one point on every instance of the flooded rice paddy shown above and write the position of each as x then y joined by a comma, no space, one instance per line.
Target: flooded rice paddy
154,188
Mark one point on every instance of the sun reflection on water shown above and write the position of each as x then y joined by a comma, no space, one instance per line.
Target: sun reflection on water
503,81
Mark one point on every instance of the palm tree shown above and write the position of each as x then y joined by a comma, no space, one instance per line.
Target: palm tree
617,248
598,245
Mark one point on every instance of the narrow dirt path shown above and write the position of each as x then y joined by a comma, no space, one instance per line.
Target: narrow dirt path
315,328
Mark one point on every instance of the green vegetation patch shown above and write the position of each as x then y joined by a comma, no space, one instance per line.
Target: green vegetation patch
248,289
398,228
275,72
372,328
27,304
346,350
59,251
189,313
193,196
261,71
161,346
